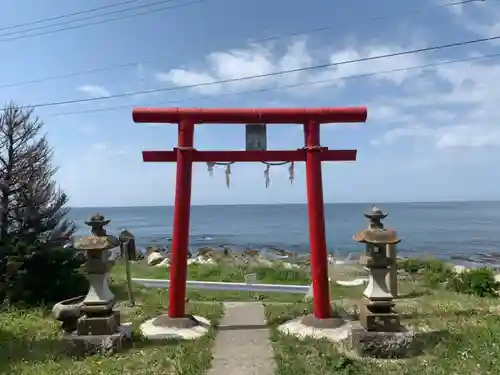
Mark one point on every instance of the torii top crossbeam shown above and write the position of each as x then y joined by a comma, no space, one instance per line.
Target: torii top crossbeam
250,115
246,116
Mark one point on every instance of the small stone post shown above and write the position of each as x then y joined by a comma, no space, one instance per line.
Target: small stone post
128,251
127,246
391,279
98,329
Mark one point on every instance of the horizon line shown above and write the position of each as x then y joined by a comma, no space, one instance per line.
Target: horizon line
296,203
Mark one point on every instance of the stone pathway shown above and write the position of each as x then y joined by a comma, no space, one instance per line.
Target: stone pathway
242,346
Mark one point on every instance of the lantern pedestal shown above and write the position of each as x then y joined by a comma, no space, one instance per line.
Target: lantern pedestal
98,329
384,345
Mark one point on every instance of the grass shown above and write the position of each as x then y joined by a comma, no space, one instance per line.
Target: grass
30,345
468,342
228,273
470,345
29,337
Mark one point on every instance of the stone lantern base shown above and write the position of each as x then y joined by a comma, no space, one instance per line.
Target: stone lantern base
384,345
379,332
98,333
379,316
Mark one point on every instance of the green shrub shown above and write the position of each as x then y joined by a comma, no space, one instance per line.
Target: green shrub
436,266
47,276
480,282
411,265
434,271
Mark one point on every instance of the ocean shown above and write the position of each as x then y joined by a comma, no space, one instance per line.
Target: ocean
461,231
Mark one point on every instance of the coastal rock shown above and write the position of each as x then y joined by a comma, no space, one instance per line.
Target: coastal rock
331,259
205,252
239,261
201,260
459,269
262,261
251,252
289,265
156,249
155,258
165,263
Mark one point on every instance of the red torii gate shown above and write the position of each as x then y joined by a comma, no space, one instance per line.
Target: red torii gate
313,154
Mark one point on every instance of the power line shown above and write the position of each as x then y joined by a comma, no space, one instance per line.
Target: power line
266,39
102,21
273,74
61,16
149,5
375,18
267,89
453,3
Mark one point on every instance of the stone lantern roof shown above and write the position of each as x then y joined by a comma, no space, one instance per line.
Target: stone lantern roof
376,234
99,240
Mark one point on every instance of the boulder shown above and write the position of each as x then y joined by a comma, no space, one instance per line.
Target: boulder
289,265
261,261
165,263
205,252
201,260
239,261
155,258
251,252
459,269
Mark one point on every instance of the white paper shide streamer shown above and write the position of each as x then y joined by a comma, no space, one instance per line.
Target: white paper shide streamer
267,171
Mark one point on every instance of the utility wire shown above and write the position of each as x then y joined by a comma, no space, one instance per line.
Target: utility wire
159,2
148,5
267,75
284,87
375,18
61,16
101,21
266,39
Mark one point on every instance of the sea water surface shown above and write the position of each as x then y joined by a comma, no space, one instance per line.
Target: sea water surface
447,230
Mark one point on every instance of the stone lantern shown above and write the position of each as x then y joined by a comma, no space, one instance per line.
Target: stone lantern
377,306
98,328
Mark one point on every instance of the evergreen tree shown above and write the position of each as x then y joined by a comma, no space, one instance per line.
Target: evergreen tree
33,223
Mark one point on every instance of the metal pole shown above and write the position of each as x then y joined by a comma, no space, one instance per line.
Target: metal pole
317,236
182,207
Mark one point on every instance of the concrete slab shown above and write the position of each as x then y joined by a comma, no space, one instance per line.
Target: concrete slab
242,346
154,332
297,328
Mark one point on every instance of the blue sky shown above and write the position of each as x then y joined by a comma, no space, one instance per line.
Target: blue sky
432,134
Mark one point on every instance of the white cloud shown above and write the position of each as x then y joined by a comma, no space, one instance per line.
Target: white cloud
448,106
180,77
94,91
480,17
259,60
395,134
468,136
104,149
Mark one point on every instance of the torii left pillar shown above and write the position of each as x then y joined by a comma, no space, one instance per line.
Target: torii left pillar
312,153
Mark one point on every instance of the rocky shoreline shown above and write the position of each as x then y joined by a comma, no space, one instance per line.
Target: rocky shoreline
160,256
